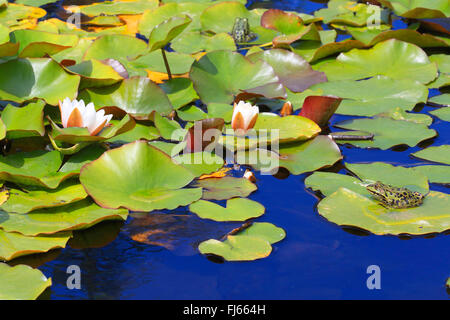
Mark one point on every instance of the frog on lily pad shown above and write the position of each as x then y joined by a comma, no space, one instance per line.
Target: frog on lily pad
393,197
241,31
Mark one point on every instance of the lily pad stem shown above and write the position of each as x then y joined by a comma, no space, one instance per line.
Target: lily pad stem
350,137
166,63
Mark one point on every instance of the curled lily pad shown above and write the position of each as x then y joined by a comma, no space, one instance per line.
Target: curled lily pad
376,95
225,188
78,215
388,132
439,154
148,182
17,128
220,75
294,72
21,282
26,79
393,58
250,244
166,31
137,96
420,9
350,209
237,209
298,157
320,108
14,245
35,168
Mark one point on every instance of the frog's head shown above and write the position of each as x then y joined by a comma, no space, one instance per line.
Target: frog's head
377,189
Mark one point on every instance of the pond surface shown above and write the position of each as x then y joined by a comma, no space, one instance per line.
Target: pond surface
317,260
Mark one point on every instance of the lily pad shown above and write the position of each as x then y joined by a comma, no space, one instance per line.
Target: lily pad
376,95
17,128
387,132
225,188
25,201
137,96
26,79
443,99
147,179
442,113
294,72
346,12
220,75
348,208
115,46
328,182
237,209
166,31
139,132
118,7
299,157
439,154
21,282
393,58
95,73
435,174
75,216
180,91
86,155
419,9
200,163
179,63
14,245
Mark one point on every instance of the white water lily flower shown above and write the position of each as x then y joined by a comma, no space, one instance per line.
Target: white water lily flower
244,116
76,114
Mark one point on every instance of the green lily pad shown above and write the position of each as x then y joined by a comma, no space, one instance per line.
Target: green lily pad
75,216
21,282
328,182
439,154
35,168
139,132
179,63
193,42
169,129
220,110
387,132
14,245
348,208
237,209
166,31
25,201
443,99
191,113
147,179
200,163
26,79
16,127
435,174
95,73
376,95
86,155
345,12
400,114
419,9
220,75
393,58
388,174
294,72
115,46
225,188
299,157
35,44
118,7
180,91
442,113
15,13
251,244
137,96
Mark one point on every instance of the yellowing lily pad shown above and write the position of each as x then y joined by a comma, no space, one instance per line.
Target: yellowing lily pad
21,282
237,209
147,179
350,209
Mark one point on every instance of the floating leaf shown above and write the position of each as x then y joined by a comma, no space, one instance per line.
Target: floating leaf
16,127
294,72
115,46
179,63
21,282
180,91
95,73
328,182
75,216
139,132
25,201
442,113
147,179
443,99
376,95
439,154
118,7
419,9
26,79
320,108
435,174
14,245
200,163
237,209
347,208
387,132
220,75
75,162
393,58
137,96
166,31
225,188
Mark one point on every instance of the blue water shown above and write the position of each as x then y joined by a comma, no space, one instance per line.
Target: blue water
317,260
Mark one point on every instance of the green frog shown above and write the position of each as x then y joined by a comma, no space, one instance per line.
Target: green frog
393,197
241,31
